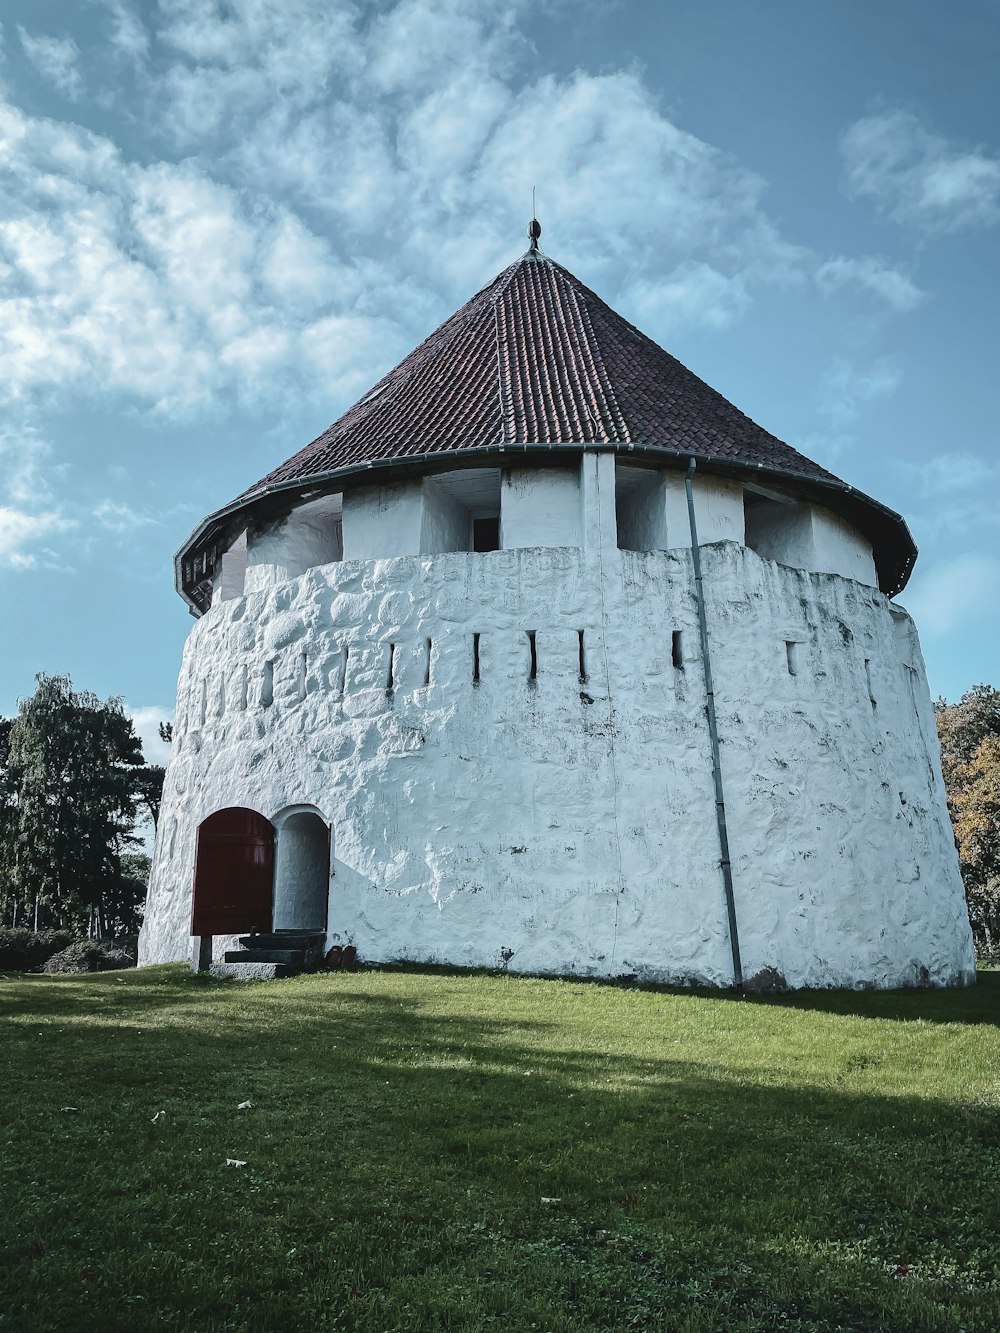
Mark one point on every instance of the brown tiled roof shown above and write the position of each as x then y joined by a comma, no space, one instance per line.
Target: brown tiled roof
538,358
536,361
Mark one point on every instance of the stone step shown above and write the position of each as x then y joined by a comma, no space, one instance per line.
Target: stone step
291,957
284,939
253,971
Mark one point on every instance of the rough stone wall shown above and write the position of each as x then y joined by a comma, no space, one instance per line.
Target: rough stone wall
568,824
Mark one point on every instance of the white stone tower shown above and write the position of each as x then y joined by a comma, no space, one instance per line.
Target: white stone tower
545,656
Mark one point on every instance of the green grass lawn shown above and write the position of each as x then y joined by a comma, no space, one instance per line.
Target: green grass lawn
433,1150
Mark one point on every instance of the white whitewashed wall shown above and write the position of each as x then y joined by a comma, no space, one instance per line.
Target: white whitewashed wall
569,823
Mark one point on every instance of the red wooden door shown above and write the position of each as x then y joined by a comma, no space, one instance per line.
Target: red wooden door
234,874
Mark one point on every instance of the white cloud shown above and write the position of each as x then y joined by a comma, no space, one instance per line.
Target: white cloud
30,517
128,37
299,269
946,596
235,63
846,389
918,177
25,463
693,294
955,472
954,494
156,281
120,518
20,532
891,285
55,58
147,721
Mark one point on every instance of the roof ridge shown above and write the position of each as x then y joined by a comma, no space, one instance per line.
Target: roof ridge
579,293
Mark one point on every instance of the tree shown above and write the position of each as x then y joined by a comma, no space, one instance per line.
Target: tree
149,789
71,779
970,760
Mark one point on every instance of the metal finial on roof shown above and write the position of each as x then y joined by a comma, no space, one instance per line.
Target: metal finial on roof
534,226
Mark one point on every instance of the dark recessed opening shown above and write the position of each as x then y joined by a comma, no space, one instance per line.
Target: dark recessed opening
533,673
677,649
475,659
392,666
583,660
486,534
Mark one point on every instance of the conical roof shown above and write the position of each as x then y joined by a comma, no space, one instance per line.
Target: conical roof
537,361
537,358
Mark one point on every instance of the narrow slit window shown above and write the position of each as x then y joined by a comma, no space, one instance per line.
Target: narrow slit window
532,648
677,649
204,702
475,659
267,685
868,682
343,672
583,659
792,657
427,665
392,666
244,680
303,664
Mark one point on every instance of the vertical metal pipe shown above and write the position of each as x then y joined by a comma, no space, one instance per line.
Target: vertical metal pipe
713,731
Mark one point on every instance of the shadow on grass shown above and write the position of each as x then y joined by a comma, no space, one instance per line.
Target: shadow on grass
927,1004
429,1158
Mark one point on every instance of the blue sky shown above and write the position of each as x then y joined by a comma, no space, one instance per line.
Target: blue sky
221,222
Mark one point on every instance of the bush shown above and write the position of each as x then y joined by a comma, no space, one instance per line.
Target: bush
24,950
89,956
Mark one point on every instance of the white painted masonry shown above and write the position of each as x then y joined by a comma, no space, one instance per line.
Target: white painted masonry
309,536
540,507
570,821
809,537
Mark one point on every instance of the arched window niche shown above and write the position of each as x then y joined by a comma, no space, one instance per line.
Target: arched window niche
302,865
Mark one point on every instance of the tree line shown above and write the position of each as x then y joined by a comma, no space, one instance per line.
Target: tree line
73,783
970,761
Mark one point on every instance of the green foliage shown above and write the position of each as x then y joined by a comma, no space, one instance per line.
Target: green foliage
71,779
429,1151
970,758
22,950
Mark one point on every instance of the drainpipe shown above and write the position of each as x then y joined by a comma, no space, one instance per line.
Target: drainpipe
713,731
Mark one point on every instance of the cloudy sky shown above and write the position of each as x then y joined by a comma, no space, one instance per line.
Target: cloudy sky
222,220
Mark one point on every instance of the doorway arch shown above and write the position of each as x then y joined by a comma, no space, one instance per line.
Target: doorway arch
233,873
301,869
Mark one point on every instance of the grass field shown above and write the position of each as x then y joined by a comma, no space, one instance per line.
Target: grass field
433,1150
